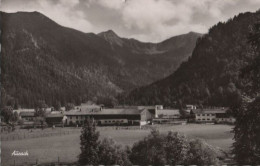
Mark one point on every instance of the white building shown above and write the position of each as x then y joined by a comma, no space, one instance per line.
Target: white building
218,115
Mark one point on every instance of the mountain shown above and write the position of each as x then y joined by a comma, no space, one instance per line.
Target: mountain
42,60
211,76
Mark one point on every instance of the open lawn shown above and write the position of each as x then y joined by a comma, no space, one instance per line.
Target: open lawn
66,148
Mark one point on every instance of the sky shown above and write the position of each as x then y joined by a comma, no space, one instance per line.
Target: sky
145,20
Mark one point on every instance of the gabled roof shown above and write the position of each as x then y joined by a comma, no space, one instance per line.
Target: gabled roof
54,115
31,114
168,112
106,112
224,116
210,111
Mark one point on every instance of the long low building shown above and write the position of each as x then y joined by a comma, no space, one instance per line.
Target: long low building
217,115
116,116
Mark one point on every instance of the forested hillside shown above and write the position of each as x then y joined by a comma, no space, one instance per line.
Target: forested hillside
42,60
212,75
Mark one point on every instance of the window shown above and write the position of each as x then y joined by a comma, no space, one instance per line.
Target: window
198,119
203,119
203,114
198,114
208,119
70,117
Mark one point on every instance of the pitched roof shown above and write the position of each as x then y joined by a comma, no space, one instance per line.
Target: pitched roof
224,116
168,112
210,111
54,115
27,114
106,112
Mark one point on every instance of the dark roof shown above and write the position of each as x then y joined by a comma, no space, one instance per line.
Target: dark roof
54,115
106,112
223,116
210,111
168,112
32,114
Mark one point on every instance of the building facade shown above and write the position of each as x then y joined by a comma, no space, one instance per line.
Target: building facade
216,115
116,116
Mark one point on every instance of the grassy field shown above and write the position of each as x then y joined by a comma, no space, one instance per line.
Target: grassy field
66,147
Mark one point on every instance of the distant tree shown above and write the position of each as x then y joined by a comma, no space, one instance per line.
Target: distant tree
15,117
7,113
69,106
39,121
57,105
40,109
89,144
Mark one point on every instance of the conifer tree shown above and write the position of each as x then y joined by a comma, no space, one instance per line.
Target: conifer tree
89,144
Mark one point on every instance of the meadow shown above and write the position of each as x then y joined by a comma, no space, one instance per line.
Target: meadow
64,145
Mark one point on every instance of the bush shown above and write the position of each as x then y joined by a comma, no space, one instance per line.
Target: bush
172,149
112,154
94,152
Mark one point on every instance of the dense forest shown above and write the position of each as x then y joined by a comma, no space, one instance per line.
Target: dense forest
212,75
42,60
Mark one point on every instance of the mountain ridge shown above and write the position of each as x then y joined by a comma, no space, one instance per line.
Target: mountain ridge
38,54
211,76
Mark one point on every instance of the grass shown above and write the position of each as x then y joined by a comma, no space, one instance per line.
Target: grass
67,148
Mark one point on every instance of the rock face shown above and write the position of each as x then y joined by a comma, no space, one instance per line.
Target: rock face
211,76
43,60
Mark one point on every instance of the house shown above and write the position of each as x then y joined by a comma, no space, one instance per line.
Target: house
212,115
168,113
27,116
191,107
55,119
23,110
115,116
225,118
168,116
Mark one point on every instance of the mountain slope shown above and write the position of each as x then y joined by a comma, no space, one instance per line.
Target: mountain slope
42,60
211,75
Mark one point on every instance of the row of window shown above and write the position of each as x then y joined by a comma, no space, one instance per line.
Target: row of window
203,119
206,114
113,121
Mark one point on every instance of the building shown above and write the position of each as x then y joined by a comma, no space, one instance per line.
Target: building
23,110
168,113
56,119
212,115
27,116
115,116
191,107
225,118
168,116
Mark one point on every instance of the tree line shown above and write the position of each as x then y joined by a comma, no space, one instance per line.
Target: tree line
155,149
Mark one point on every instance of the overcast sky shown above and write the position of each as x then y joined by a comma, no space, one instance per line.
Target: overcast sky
146,20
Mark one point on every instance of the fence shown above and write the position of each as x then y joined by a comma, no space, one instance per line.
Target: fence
26,135
38,133
37,162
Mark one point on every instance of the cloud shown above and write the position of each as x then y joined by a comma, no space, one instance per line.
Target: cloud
113,4
61,11
146,20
